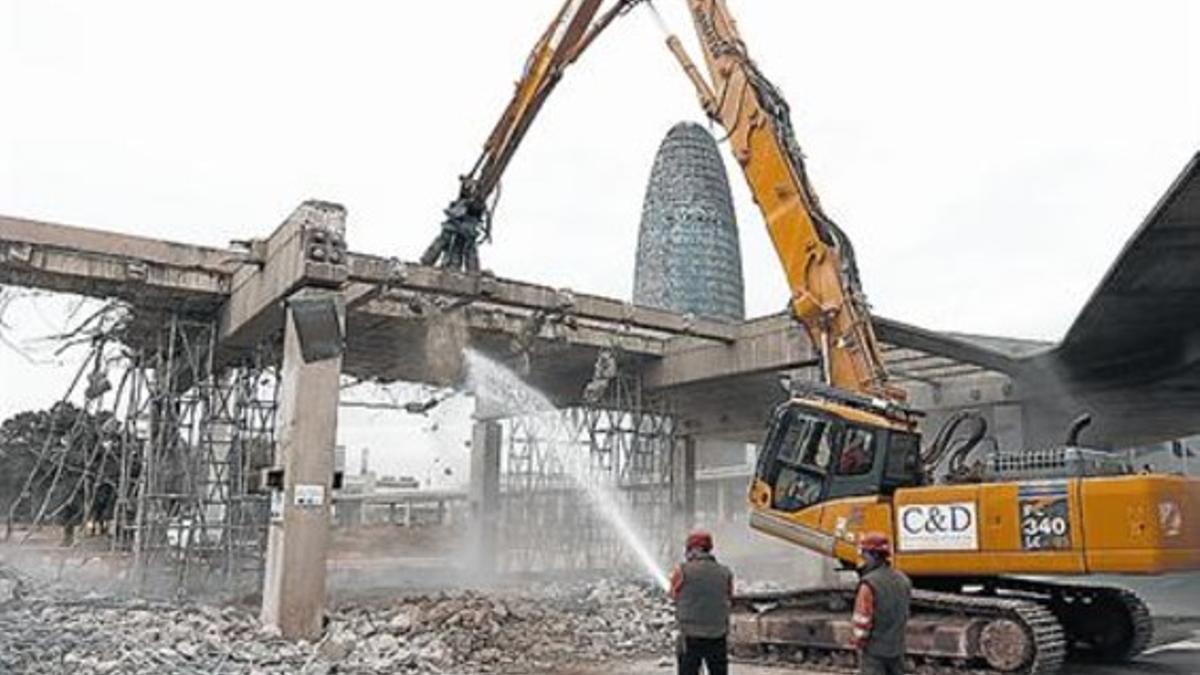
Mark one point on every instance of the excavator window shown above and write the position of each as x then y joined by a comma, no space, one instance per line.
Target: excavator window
903,466
811,455
858,452
797,458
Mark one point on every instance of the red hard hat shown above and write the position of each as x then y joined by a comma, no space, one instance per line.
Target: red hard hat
700,539
875,542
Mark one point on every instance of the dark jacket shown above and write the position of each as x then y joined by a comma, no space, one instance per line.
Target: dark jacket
703,591
891,596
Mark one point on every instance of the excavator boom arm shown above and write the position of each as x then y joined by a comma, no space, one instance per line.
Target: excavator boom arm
817,257
468,217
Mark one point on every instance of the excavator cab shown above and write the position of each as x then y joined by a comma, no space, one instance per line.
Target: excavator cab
816,450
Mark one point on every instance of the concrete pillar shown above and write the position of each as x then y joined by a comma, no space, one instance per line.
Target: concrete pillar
484,493
683,482
722,489
298,539
351,514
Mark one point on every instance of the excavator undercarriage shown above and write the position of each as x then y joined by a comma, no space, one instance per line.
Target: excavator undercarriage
962,625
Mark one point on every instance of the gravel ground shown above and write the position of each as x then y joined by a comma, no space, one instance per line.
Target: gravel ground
580,628
550,628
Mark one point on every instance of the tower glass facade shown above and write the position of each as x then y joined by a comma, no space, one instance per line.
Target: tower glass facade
688,257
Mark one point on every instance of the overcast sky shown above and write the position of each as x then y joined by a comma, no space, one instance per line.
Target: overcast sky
988,159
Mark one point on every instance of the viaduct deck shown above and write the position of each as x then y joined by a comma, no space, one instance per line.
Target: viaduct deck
721,375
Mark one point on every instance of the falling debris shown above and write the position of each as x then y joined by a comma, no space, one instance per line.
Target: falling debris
423,406
603,372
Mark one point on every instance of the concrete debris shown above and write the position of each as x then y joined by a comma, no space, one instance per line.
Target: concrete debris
46,631
9,589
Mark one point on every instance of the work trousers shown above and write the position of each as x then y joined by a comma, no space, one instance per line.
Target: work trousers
712,652
877,665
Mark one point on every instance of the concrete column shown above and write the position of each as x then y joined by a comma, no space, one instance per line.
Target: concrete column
351,514
298,539
722,500
484,493
683,481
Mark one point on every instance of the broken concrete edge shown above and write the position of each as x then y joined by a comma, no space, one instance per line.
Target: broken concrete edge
253,284
398,274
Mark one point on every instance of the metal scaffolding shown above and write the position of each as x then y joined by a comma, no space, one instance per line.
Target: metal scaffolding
194,440
622,444
165,462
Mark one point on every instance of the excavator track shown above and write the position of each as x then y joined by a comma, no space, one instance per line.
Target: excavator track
1102,624
976,635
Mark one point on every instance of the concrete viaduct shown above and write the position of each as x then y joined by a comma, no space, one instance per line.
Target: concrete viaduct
337,313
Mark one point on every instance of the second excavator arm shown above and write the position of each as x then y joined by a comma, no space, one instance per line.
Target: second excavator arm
468,217
817,257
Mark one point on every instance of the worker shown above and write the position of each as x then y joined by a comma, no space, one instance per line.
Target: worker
703,592
880,609
855,459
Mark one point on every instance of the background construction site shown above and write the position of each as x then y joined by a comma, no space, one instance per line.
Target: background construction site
215,481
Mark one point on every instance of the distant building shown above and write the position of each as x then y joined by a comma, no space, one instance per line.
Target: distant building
397,483
689,261
688,256
363,482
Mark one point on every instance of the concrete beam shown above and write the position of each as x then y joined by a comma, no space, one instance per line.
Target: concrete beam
107,264
965,392
115,244
398,275
495,318
245,288
932,342
308,249
769,344
735,408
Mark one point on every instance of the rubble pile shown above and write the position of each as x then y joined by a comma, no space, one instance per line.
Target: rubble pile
45,631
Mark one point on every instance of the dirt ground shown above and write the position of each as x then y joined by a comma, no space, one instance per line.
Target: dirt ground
375,561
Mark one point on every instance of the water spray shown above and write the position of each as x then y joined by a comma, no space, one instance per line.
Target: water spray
498,384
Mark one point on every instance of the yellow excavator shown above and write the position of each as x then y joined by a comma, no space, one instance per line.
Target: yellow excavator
843,457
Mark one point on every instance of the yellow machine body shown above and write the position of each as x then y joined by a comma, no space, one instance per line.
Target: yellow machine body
1134,524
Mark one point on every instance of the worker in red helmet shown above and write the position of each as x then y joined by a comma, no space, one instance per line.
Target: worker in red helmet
880,609
703,592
